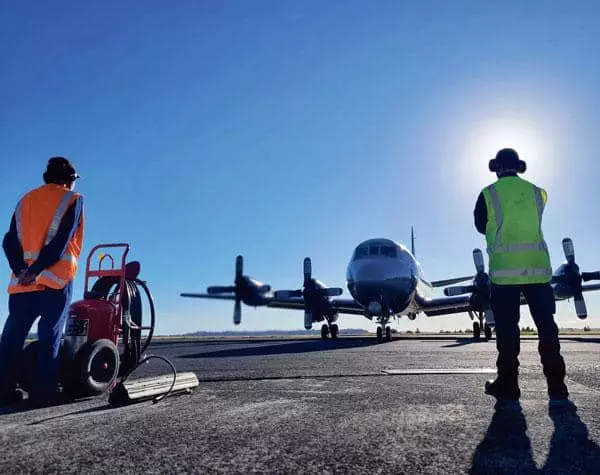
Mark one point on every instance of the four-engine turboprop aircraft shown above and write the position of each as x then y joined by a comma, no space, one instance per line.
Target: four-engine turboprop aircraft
385,281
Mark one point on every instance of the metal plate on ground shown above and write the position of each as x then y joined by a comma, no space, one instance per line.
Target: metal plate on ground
439,371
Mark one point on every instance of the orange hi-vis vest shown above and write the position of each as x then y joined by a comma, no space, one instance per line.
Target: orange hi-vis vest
37,217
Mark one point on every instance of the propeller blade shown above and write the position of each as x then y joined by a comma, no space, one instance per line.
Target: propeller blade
237,312
307,269
478,260
569,250
308,320
220,289
287,294
458,290
587,276
580,307
331,292
239,267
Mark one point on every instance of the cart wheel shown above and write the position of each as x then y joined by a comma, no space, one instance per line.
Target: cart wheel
96,365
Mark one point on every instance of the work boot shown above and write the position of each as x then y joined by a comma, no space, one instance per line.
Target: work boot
559,397
502,390
10,398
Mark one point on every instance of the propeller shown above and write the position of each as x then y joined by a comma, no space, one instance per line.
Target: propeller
569,275
311,289
243,287
478,281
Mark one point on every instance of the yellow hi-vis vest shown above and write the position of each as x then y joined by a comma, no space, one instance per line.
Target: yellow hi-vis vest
517,251
37,217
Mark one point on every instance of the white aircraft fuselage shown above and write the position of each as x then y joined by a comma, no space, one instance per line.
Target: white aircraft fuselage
384,278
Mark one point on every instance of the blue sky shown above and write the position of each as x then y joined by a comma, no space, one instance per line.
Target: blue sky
281,129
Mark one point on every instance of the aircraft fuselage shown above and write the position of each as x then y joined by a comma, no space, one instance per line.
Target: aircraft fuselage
384,278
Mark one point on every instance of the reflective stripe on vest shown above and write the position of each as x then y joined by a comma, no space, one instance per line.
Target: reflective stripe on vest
32,256
521,273
50,276
519,247
58,215
541,246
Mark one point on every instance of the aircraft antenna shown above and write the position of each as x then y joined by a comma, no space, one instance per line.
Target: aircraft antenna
412,241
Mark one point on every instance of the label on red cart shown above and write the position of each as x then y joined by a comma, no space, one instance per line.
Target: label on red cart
77,327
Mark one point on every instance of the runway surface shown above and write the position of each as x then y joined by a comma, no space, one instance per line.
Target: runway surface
312,406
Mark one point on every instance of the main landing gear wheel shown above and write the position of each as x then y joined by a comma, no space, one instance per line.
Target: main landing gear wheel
379,334
476,331
335,330
324,332
388,333
487,331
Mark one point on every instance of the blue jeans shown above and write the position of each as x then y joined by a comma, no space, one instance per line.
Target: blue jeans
24,308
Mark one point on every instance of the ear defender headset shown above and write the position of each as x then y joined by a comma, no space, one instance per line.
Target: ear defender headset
507,159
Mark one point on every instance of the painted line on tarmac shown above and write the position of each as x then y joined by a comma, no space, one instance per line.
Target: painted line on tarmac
439,371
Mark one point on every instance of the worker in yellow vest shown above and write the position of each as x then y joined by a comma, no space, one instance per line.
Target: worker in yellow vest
42,247
509,214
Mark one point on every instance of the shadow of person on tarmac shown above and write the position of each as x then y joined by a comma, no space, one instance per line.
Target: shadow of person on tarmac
506,448
571,450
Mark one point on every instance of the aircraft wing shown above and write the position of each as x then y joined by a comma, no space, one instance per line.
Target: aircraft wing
460,304
456,280
444,305
347,306
208,296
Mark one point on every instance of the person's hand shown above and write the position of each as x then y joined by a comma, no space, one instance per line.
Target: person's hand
25,277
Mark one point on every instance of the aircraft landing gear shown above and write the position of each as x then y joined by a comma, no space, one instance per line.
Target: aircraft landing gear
379,334
487,331
479,323
476,331
330,330
388,333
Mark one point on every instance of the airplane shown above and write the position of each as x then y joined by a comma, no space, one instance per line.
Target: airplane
386,281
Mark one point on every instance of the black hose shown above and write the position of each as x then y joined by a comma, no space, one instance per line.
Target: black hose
162,396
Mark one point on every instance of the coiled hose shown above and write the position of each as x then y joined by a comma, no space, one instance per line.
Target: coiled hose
133,348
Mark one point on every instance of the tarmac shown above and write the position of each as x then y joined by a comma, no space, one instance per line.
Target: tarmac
415,405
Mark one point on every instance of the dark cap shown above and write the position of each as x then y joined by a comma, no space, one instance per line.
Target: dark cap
507,159
60,170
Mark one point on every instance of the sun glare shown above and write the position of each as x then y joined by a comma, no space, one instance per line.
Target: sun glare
490,135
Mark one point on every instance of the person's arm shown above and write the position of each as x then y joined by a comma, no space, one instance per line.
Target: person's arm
52,252
480,214
13,249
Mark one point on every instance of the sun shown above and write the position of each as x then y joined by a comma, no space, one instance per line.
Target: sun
490,135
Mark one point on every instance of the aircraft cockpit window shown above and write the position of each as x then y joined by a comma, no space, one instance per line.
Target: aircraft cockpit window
373,250
360,253
388,251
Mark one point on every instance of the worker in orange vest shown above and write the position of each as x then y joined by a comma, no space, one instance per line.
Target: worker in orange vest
42,247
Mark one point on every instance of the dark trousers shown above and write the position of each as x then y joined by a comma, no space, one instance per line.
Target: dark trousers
505,302
52,308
